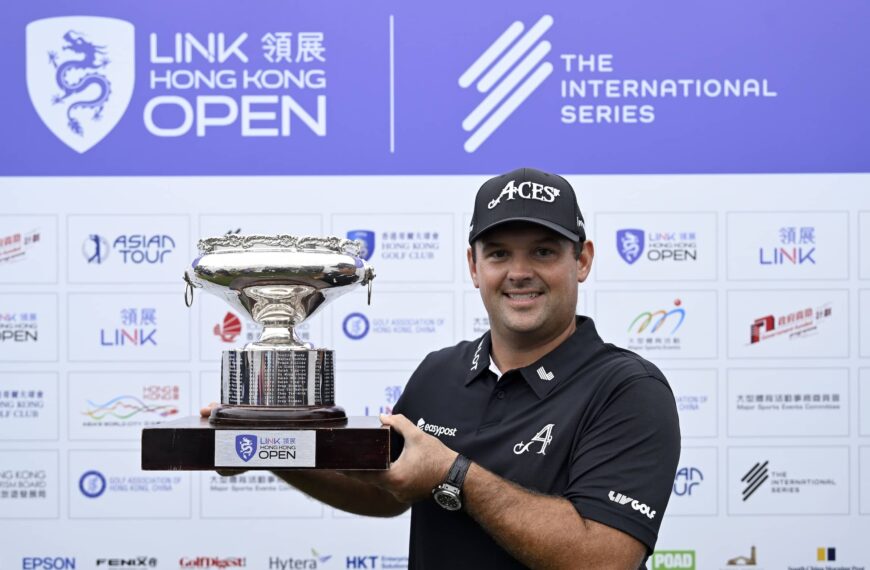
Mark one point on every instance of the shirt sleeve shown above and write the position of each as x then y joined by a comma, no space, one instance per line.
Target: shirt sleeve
622,468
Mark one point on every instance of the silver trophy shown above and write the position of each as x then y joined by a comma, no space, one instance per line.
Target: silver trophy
279,281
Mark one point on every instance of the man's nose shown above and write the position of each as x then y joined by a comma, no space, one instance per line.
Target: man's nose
520,268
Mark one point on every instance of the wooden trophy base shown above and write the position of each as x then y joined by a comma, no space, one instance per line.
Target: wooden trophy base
195,444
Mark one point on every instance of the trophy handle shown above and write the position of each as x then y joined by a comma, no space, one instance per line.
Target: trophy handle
188,290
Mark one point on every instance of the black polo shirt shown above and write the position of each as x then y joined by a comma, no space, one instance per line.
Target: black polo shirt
589,422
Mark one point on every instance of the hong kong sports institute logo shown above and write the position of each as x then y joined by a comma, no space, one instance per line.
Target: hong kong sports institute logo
80,75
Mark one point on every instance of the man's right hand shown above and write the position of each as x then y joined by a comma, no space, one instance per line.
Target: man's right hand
206,411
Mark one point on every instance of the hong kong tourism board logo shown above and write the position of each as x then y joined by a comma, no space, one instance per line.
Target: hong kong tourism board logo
80,75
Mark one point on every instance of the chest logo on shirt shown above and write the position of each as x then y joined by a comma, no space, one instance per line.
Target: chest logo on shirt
437,431
544,437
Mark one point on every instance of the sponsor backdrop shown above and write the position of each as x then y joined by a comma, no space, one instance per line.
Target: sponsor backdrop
719,154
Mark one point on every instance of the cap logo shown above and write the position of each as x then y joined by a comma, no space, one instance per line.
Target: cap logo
526,190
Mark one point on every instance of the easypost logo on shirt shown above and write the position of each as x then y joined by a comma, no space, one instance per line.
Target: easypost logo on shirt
435,430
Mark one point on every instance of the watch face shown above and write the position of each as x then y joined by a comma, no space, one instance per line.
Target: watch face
448,500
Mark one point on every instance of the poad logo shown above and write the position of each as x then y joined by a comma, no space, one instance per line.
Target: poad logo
80,75
246,446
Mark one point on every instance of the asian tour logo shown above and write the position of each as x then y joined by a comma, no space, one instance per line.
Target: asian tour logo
508,71
80,75
132,249
246,446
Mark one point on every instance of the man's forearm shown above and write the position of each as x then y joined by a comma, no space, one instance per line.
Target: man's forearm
542,531
344,493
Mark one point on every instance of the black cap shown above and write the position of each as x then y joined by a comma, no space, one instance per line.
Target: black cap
528,195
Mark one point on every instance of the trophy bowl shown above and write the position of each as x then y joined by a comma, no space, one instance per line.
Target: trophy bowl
279,280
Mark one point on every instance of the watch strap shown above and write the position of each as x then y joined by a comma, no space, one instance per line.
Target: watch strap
457,472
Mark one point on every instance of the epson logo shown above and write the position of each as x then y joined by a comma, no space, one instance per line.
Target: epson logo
527,191
435,430
636,505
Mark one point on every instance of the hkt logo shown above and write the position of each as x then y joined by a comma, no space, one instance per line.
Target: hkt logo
92,484
134,248
80,75
212,562
800,248
797,324
230,329
355,326
636,505
506,91
754,479
367,239
141,335
48,563
686,479
657,319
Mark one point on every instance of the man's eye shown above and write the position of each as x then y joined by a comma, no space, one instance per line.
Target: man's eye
544,252
497,254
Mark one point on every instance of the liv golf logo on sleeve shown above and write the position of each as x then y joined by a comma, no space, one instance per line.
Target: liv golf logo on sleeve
80,75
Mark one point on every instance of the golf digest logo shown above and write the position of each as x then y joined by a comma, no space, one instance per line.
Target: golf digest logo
635,504
435,430
80,75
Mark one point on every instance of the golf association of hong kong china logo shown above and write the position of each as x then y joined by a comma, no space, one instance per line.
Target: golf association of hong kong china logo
80,75
507,73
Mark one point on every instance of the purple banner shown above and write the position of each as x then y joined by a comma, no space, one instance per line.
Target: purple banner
269,88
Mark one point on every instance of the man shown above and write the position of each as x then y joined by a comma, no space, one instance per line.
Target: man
542,446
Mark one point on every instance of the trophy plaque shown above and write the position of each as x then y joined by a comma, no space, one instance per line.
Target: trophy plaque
278,393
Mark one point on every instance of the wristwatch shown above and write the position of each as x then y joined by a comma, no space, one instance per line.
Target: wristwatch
449,493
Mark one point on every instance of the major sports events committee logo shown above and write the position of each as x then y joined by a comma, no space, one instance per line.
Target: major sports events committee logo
508,72
80,75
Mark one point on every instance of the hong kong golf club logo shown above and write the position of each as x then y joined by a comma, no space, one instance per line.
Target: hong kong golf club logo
507,72
246,446
80,75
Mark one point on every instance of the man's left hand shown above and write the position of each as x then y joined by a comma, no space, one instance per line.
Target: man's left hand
423,464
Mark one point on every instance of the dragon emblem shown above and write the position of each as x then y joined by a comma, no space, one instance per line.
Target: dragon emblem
81,76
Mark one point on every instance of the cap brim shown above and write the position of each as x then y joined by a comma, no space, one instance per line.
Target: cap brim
537,221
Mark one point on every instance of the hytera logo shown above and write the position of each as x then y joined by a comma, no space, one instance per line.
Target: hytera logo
80,75
636,505
527,191
435,430
138,562
507,91
92,484
673,560
355,326
47,563
278,563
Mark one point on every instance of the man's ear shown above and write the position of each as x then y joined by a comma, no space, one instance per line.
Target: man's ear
472,268
584,262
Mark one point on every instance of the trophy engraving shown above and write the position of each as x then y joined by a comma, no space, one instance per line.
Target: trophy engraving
279,281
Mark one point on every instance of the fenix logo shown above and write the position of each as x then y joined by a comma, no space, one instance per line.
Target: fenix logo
435,430
636,505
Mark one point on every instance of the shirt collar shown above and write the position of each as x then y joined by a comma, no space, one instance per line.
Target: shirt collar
555,367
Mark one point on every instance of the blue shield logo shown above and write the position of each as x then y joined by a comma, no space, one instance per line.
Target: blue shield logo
367,238
629,244
246,446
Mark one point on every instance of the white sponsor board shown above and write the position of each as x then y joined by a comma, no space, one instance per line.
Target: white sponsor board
864,479
29,487
29,406
28,327
265,448
655,246
118,405
864,402
696,483
127,327
110,484
404,248
28,249
696,394
659,324
214,225
788,402
127,249
788,245
398,326
788,480
864,245
254,495
788,323
370,392
864,323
